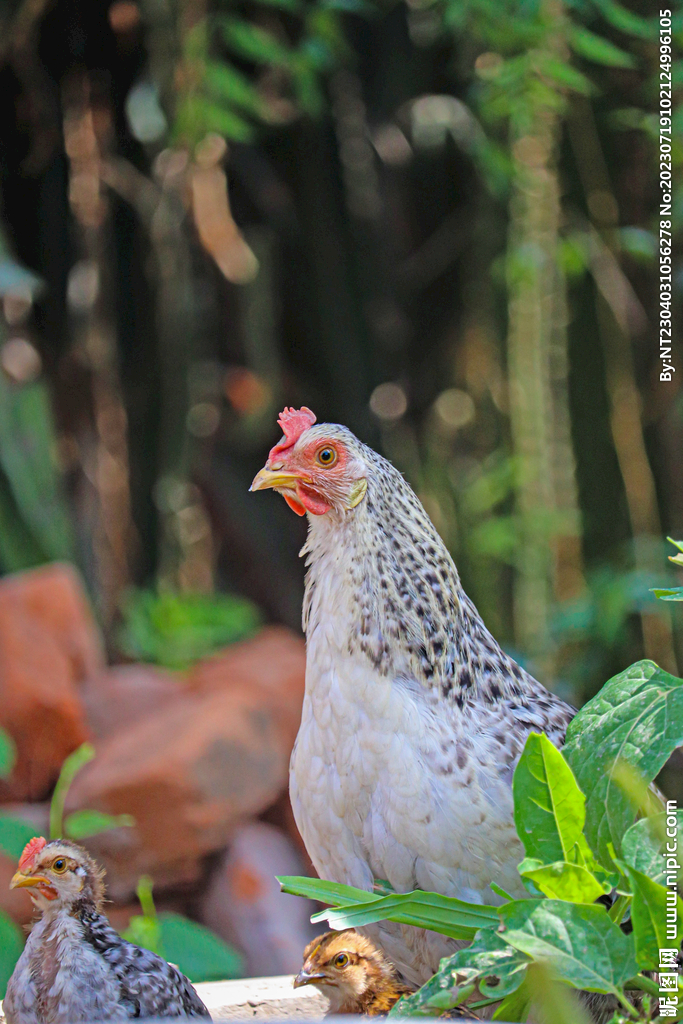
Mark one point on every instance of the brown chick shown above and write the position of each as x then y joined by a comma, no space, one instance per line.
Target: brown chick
352,972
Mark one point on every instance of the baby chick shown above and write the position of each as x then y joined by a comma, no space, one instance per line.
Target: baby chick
74,966
355,975
352,972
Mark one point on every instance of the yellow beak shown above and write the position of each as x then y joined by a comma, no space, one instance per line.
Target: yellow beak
274,478
22,881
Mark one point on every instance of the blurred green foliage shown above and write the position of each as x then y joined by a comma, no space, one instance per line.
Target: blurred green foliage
174,630
198,952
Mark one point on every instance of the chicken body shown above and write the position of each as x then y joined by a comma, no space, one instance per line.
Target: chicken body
413,717
74,966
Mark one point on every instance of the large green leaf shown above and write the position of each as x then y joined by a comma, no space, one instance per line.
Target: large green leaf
549,806
643,845
15,833
11,945
514,1009
649,917
334,893
488,962
578,941
563,881
8,754
636,718
442,914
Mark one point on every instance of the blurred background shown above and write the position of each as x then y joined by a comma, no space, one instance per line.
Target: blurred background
434,221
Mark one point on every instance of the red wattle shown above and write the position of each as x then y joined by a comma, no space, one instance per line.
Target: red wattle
312,501
295,505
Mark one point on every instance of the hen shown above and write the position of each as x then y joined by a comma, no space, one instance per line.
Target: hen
74,966
413,716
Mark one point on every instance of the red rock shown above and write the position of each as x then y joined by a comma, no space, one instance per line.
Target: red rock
120,696
48,644
54,596
188,775
274,660
243,902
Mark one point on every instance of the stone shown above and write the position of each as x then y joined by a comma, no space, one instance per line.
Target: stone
54,596
123,694
188,775
274,660
243,902
48,645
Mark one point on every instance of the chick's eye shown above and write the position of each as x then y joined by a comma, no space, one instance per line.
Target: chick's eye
341,960
59,865
327,456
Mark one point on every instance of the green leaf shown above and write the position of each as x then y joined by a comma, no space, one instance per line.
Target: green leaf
489,962
253,43
71,766
643,845
11,945
514,1009
637,720
176,630
293,6
27,446
231,86
146,932
579,942
442,914
627,22
15,833
563,881
670,594
8,754
196,116
82,824
649,917
549,806
552,1000
334,893
199,953
566,76
599,50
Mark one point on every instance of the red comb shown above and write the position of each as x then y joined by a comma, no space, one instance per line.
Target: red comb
33,847
293,423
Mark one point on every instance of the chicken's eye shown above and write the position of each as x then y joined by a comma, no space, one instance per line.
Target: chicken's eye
327,456
59,865
341,959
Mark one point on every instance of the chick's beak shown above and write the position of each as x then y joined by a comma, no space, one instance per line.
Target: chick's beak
22,881
305,978
274,478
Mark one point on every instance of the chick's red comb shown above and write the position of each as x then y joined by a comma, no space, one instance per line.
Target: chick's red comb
33,847
293,423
